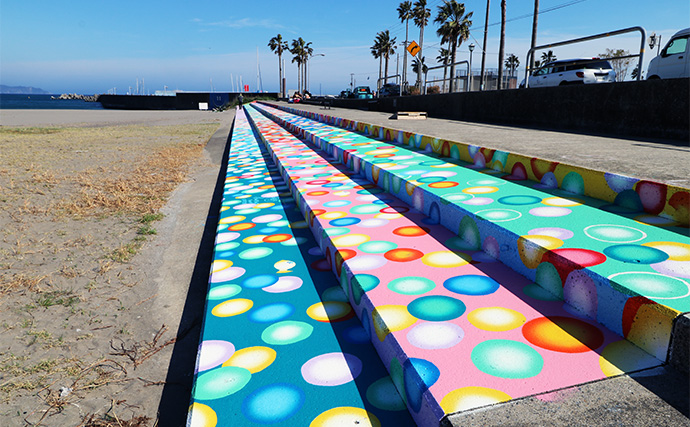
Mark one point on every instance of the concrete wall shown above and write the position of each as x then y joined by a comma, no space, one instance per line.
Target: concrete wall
181,100
656,108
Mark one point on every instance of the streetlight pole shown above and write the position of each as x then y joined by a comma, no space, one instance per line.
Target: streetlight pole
309,71
469,78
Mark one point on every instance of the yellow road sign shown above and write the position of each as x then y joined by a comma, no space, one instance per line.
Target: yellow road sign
413,48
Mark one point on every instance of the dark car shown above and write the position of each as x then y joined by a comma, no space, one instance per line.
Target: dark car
389,89
347,93
363,92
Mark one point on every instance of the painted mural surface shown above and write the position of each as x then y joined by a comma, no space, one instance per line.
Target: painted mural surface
455,328
280,344
628,271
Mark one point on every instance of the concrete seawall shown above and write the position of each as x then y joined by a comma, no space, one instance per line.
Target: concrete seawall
648,109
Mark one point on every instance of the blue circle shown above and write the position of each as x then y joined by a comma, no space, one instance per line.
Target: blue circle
337,203
519,200
332,185
471,284
343,222
273,403
260,281
272,313
414,370
269,230
436,308
356,335
636,254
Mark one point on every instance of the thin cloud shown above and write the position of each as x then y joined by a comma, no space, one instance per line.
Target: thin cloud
243,23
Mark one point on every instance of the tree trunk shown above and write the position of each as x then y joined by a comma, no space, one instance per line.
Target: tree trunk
486,27
404,70
378,82
385,76
445,71
280,76
501,48
453,50
534,32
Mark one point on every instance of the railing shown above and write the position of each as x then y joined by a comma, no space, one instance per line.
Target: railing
642,31
385,79
443,80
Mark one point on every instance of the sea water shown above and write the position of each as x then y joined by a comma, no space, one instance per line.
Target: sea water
44,102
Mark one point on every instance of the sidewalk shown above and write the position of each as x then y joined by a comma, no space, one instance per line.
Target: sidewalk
662,161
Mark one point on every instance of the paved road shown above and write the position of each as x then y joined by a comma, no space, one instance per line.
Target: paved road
662,161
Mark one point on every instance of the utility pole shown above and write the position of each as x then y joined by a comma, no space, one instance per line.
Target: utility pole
352,81
534,32
486,27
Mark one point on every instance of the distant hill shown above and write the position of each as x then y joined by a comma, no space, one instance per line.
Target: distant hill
22,89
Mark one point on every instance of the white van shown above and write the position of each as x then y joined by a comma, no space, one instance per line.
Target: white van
674,60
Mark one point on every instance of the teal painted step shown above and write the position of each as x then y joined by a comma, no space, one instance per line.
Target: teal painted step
629,276
455,328
268,353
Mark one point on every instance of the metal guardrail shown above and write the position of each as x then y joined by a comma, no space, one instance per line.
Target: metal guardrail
443,80
642,31
397,77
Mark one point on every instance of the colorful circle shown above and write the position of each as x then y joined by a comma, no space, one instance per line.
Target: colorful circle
435,335
636,254
232,307
446,259
330,311
507,359
550,211
471,284
212,353
272,312
652,285
255,253
676,251
465,398
346,416
284,284
383,395
561,202
350,240
223,292
519,200
411,231
377,246
201,415
331,369
391,318
366,262
286,332
614,233
436,308
411,285
277,238
403,255
563,334
496,319
260,281
558,233
499,215
273,403
480,190
220,382
254,359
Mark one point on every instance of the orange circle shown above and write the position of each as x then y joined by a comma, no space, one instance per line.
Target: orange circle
443,184
563,334
318,212
317,193
347,253
242,226
277,238
403,255
384,155
411,231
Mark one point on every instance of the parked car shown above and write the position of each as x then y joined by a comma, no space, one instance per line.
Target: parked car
363,92
572,71
347,93
389,89
674,59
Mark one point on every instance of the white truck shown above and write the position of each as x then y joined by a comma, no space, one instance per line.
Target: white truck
674,59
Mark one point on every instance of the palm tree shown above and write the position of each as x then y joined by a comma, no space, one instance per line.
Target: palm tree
443,57
297,49
547,57
486,27
512,63
415,66
502,45
534,31
421,18
454,29
278,46
405,14
387,45
307,52
376,52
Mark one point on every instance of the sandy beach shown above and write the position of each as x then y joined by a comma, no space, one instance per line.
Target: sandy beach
102,213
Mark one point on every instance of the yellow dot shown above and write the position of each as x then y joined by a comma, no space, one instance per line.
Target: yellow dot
346,416
559,201
388,216
202,415
220,264
232,219
391,318
676,251
329,311
253,359
532,247
465,398
333,215
232,307
446,259
258,238
341,193
496,319
350,240
264,205
480,190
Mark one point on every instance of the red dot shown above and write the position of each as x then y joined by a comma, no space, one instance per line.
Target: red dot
403,255
394,209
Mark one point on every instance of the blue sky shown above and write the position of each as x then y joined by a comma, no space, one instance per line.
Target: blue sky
94,46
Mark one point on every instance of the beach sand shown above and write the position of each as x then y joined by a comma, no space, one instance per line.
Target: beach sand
101,217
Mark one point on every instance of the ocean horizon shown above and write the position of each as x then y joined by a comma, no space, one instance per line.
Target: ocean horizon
44,102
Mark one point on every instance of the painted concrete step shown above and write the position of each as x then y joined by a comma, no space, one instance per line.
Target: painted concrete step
627,275
456,329
280,344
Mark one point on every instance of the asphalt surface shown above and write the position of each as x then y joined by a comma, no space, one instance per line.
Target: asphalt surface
656,160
